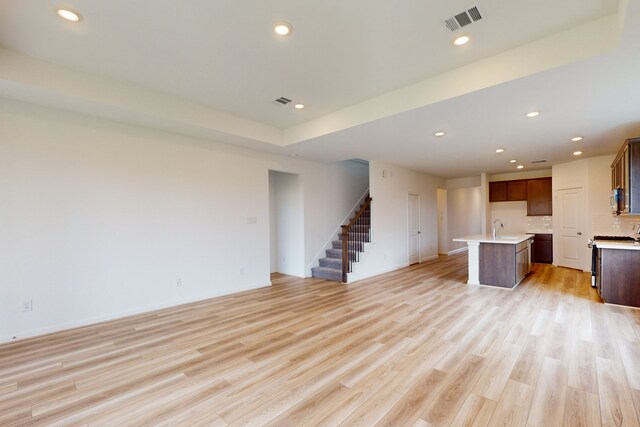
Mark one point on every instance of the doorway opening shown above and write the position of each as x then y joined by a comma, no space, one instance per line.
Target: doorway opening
443,246
413,208
286,224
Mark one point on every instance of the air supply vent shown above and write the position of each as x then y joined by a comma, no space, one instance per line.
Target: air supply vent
474,13
452,24
539,161
282,100
463,19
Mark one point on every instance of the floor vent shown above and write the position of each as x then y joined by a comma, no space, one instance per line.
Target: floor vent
463,19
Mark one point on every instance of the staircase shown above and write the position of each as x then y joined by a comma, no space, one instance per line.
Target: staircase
354,235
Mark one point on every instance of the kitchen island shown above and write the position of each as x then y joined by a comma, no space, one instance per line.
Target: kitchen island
503,261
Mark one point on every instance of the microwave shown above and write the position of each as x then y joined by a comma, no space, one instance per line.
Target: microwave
616,200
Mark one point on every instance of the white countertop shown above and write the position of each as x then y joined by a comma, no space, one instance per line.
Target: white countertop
507,239
604,244
541,231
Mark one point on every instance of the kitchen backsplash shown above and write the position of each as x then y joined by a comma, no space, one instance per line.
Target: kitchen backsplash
514,217
608,224
539,223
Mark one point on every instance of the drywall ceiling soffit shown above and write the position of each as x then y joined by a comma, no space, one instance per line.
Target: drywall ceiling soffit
224,55
34,80
363,129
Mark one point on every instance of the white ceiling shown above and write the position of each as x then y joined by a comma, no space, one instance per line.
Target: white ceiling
223,55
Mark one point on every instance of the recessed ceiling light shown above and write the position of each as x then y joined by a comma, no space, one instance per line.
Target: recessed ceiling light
577,153
577,138
282,28
298,106
520,167
512,161
439,133
461,40
500,150
68,15
533,114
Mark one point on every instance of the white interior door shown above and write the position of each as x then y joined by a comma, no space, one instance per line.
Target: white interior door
414,228
570,220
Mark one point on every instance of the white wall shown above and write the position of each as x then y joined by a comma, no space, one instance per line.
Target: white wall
464,214
510,176
329,198
389,218
469,181
100,219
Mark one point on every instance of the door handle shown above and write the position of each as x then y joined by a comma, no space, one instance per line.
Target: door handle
419,232
579,233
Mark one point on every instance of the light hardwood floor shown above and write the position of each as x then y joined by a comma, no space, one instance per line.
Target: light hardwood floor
416,347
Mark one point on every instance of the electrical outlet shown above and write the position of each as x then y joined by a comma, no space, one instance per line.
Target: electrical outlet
179,283
27,305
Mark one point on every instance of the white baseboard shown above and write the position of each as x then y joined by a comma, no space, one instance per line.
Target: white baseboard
429,258
457,251
114,316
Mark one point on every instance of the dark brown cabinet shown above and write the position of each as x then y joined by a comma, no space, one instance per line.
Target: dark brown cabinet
508,191
537,193
618,276
618,168
503,265
542,251
517,190
539,197
625,175
498,191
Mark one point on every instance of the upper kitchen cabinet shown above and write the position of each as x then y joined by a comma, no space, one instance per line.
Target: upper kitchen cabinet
508,191
517,190
625,178
537,193
498,191
539,197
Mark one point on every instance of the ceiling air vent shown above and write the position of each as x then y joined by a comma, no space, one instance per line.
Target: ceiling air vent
474,13
539,161
282,100
463,19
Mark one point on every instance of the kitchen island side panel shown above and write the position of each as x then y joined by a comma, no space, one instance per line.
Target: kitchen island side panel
497,264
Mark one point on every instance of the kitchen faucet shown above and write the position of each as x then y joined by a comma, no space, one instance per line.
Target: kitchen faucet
497,227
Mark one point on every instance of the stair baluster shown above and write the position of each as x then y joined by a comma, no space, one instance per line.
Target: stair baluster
353,238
